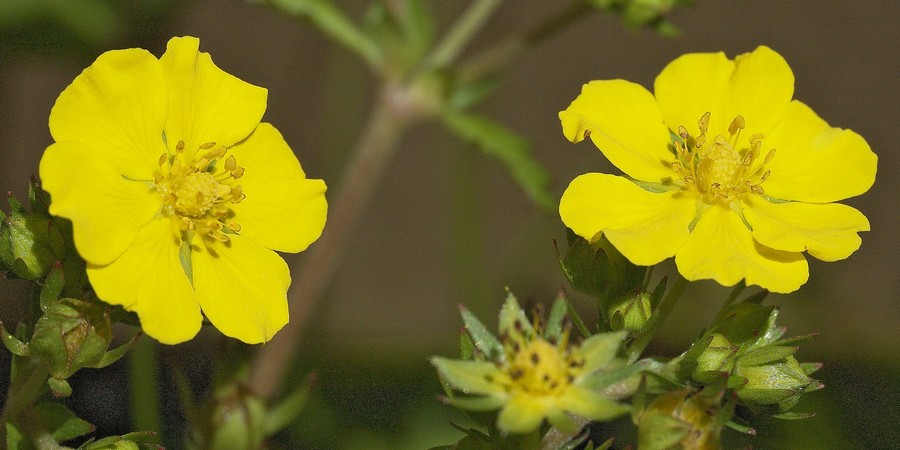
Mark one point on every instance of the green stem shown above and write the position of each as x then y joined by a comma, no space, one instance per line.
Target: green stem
331,21
27,384
145,409
462,32
666,306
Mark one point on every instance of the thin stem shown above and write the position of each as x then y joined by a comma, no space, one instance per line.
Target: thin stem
666,306
501,54
331,21
29,381
387,123
145,412
462,32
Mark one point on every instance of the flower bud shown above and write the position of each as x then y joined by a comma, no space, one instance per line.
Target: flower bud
774,387
29,242
682,419
70,335
237,422
717,358
631,312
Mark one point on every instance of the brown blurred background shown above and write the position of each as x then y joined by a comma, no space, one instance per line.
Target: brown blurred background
448,225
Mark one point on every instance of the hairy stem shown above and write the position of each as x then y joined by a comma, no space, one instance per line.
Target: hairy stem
387,123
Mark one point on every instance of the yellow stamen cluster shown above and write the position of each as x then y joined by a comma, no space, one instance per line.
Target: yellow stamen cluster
537,366
198,190
718,168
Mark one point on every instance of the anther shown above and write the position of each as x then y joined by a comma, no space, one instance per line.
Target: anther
704,123
756,137
769,156
230,163
237,173
677,166
757,189
162,158
737,124
765,176
683,132
179,147
207,145
700,140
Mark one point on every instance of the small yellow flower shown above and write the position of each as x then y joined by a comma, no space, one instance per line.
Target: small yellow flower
178,195
535,373
723,171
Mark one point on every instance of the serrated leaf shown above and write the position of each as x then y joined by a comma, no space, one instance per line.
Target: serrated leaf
483,339
62,423
510,148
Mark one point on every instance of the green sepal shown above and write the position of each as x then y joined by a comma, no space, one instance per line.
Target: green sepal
466,345
15,346
555,320
511,149
62,423
661,432
599,350
740,428
513,321
797,340
810,368
793,416
116,354
576,319
59,387
767,354
53,286
184,255
482,338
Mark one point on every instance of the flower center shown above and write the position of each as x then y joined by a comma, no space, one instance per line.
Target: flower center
197,192
540,368
718,168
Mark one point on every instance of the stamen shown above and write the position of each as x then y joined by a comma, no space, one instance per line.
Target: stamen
704,123
737,124
207,145
769,156
230,163
179,147
682,131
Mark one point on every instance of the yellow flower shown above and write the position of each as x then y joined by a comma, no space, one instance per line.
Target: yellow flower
535,373
178,195
723,170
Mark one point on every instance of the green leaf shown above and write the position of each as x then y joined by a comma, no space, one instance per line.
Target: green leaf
115,354
511,149
483,339
14,439
466,346
62,423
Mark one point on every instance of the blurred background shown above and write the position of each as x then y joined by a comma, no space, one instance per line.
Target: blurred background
448,225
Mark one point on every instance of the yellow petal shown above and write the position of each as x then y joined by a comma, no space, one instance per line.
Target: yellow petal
206,103
828,232
523,413
626,124
106,210
816,163
721,248
242,288
148,279
646,227
759,89
589,404
756,85
117,108
283,209
692,85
